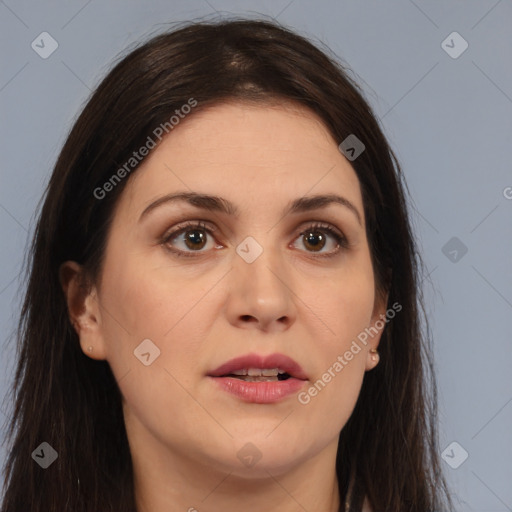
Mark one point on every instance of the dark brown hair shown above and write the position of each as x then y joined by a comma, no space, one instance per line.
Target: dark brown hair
388,448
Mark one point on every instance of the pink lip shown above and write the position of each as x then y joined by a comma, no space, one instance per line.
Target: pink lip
260,392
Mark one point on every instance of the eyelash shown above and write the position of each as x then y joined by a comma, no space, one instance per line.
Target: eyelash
194,225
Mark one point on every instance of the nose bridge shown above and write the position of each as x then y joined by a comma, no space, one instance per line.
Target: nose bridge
260,271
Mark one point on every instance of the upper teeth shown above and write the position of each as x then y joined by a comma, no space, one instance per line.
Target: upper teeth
258,372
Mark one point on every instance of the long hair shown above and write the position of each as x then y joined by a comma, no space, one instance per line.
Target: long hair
388,448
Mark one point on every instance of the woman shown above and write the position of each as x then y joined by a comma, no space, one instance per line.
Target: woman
223,310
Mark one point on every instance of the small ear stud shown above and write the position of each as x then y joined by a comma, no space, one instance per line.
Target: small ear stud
89,349
375,354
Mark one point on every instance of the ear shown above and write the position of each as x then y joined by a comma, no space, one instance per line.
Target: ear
83,309
377,326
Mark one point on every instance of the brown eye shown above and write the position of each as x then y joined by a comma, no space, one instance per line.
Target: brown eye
193,237
316,237
315,240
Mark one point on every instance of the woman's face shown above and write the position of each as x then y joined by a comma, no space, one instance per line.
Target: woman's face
261,281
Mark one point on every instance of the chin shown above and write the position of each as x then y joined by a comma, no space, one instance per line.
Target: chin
266,467
261,456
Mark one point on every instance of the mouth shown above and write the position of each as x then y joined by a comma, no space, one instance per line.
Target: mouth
260,379
259,375
257,368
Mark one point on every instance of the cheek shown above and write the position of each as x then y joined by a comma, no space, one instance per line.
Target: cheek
343,303
149,300
143,305
345,307
170,306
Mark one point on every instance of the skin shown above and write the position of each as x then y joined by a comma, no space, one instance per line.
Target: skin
184,432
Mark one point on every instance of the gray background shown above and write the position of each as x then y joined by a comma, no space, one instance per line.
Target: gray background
449,120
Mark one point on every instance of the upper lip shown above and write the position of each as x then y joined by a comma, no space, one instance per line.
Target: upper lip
279,361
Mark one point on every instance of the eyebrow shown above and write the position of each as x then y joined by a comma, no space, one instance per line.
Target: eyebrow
221,205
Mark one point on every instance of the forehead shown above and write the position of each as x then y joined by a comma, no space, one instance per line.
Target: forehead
236,127
246,152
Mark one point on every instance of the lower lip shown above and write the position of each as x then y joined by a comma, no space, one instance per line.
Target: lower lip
266,392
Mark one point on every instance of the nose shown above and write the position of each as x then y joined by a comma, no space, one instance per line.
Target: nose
261,295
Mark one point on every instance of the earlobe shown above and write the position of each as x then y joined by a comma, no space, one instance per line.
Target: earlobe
373,359
83,309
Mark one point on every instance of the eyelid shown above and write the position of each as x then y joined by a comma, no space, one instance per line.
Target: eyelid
189,224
